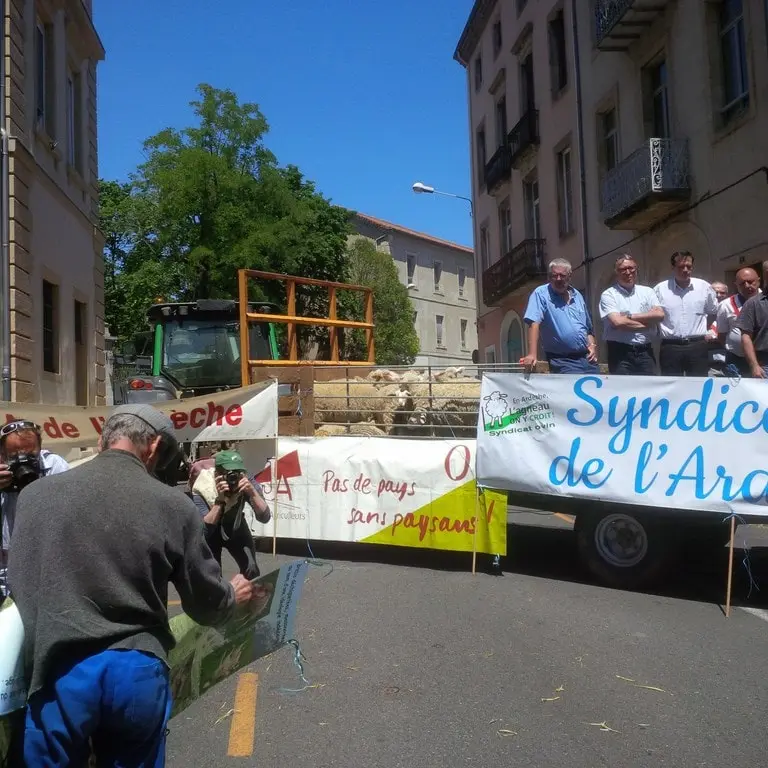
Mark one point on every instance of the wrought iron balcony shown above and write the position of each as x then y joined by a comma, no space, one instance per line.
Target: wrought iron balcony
524,263
619,23
649,184
524,137
498,169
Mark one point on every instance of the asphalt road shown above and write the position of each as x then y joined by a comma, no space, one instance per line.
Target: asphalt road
417,663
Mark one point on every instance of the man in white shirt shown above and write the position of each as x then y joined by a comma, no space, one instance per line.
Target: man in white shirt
689,307
630,314
747,286
716,349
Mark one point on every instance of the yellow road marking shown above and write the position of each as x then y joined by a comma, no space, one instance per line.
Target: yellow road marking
174,602
567,518
242,731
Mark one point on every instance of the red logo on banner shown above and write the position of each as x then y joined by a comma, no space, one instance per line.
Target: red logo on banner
288,466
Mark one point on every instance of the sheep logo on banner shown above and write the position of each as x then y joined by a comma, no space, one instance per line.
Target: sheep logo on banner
495,408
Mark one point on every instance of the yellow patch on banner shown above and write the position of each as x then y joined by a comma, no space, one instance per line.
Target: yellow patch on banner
451,522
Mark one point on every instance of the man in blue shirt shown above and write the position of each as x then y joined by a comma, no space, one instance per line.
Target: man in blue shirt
558,314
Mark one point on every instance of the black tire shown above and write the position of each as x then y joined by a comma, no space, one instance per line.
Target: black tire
605,540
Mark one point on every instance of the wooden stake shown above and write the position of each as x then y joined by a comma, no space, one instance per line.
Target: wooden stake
474,535
730,569
275,482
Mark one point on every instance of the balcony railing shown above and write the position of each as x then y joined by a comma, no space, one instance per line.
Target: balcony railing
524,263
647,185
498,169
524,136
619,23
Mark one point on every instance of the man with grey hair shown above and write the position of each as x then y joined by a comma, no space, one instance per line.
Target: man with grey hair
94,551
558,315
631,314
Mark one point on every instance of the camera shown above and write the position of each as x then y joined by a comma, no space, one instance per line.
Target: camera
25,469
233,479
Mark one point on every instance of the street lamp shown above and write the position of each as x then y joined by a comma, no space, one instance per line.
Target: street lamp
422,189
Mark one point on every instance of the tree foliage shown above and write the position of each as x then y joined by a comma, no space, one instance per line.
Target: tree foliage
395,337
210,199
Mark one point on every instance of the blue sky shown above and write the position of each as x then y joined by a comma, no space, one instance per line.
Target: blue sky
363,95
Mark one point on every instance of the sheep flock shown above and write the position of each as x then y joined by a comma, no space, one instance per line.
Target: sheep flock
408,404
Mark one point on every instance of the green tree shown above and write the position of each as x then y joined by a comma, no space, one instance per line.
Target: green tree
208,200
395,336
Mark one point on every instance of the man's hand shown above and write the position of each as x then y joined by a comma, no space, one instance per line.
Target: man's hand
6,478
592,353
758,372
529,361
222,489
244,590
245,486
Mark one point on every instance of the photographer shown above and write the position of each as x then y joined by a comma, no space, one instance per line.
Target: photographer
224,494
22,461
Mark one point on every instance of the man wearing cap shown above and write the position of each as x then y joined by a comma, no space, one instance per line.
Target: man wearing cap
94,551
226,498
22,461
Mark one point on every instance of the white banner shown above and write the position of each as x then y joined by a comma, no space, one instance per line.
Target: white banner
13,686
415,493
673,443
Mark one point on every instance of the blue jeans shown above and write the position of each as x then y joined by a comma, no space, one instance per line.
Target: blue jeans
571,364
121,700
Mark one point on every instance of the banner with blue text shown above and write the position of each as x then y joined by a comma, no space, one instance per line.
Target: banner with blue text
675,443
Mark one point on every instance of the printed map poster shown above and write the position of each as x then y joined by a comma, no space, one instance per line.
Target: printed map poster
667,442
412,493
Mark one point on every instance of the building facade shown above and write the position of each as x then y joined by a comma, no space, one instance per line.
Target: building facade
440,277
56,287
672,115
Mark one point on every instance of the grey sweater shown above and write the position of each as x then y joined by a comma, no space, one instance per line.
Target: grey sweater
94,550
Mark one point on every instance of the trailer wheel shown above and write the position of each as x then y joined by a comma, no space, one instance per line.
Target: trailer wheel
623,550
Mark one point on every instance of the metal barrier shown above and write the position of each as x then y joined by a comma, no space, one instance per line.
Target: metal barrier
400,401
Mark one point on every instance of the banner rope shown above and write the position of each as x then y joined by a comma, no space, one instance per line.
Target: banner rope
746,562
298,661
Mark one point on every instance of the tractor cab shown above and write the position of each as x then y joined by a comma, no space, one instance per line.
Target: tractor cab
195,350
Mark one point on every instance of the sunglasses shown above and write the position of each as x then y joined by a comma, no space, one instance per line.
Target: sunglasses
19,426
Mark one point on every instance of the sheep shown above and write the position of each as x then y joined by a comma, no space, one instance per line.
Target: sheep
364,429
495,407
342,401
383,375
452,411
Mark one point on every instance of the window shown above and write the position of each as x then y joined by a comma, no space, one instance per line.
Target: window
410,267
501,121
74,122
558,62
439,330
531,204
463,331
609,140
734,54
657,100
481,152
564,192
521,5
496,38
44,82
478,72
505,227
437,273
81,353
462,280
50,327
527,92
485,248
512,339
415,316
490,355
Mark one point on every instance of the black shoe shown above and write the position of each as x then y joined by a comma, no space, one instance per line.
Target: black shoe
496,566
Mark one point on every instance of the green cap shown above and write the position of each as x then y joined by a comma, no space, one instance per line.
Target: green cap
229,460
